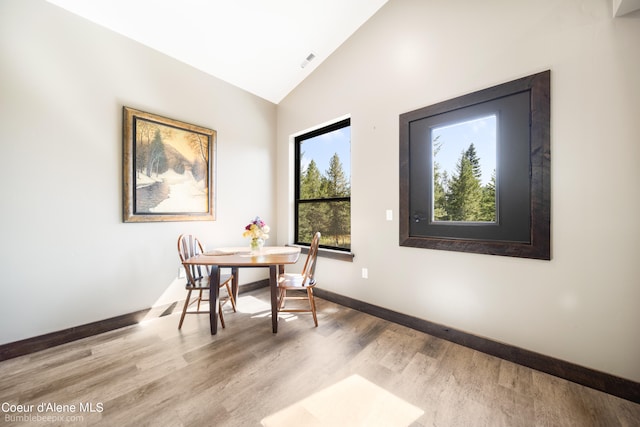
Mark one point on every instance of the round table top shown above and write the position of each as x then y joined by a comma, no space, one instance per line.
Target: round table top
243,250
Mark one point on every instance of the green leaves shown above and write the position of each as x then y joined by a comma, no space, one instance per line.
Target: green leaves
328,209
463,197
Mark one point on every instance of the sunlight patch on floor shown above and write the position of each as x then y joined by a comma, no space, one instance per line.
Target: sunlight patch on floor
352,402
287,317
259,309
252,305
246,304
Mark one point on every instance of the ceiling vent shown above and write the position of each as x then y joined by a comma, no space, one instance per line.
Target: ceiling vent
307,60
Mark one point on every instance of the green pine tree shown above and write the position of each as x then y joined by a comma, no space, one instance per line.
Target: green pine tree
440,183
311,216
465,195
338,218
311,182
488,203
474,160
336,183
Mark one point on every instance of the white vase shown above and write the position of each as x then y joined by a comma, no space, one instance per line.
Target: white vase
256,244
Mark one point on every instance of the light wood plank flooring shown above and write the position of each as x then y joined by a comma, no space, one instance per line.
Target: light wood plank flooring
152,374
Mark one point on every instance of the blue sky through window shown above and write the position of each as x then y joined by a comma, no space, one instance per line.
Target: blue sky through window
457,137
322,147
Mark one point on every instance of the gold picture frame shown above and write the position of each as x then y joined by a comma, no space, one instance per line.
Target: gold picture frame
168,169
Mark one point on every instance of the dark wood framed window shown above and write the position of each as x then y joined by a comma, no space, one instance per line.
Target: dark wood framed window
495,199
323,186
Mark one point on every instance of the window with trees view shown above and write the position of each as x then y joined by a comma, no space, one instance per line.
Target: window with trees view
475,171
464,171
323,186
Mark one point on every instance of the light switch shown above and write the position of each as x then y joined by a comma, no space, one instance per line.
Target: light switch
389,215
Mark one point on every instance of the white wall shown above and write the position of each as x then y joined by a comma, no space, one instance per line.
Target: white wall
66,257
583,306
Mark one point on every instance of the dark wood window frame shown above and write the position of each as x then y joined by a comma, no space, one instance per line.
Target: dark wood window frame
473,237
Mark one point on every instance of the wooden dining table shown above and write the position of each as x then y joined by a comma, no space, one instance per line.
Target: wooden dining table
273,257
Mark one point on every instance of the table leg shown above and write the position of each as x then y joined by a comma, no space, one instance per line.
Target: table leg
214,298
273,284
234,284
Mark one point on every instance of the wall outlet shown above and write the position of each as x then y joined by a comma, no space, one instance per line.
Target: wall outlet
181,273
365,273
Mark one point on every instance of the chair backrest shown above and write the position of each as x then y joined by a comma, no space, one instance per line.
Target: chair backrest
188,247
309,269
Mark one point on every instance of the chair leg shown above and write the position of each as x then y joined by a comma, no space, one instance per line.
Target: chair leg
184,310
312,304
231,298
221,316
309,298
283,295
199,300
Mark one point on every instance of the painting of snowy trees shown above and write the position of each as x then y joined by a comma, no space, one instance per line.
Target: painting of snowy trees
167,169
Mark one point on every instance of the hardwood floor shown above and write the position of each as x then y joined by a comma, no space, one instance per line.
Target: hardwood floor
153,374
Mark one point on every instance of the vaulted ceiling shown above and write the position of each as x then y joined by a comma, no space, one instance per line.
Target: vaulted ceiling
623,7
257,45
261,46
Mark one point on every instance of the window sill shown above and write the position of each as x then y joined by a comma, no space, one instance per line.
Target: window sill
329,253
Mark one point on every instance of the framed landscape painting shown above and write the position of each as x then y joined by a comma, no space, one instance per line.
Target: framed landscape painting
168,172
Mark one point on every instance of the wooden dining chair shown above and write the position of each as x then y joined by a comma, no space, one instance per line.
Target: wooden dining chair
198,279
300,283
